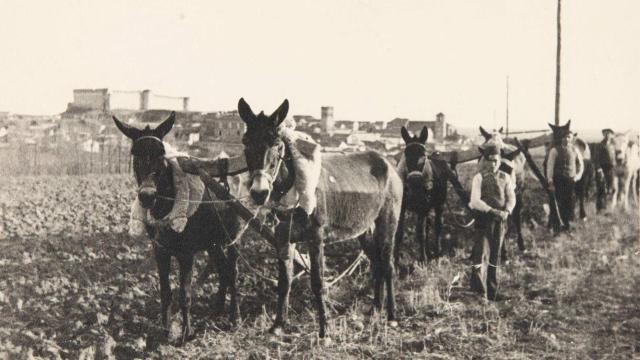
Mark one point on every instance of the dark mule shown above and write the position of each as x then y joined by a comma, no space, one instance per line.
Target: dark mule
208,229
424,189
513,163
356,193
583,185
602,160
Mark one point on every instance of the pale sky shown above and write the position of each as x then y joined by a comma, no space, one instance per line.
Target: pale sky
371,60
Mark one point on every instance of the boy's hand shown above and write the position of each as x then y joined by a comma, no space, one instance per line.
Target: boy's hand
500,214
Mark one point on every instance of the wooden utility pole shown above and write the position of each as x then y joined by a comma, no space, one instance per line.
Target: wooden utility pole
507,110
557,116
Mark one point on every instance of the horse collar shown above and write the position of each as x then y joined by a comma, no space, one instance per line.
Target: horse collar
281,189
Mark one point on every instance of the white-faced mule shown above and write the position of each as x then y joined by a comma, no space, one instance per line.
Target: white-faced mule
209,228
356,193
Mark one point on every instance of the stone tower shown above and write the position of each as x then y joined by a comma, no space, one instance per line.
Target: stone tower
326,119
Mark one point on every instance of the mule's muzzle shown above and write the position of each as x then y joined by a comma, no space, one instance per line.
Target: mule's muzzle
147,197
259,196
415,180
260,186
619,158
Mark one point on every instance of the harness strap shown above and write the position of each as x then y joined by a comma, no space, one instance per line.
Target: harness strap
223,167
149,137
280,190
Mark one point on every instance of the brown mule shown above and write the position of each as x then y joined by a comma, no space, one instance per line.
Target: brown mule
356,192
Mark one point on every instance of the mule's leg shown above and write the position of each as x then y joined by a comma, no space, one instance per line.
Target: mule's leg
163,261
223,282
399,236
377,274
637,185
317,278
383,237
438,227
388,269
504,253
370,249
186,275
625,192
601,191
232,277
421,219
517,221
634,188
285,276
614,189
581,193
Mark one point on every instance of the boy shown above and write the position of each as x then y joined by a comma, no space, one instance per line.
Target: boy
493,196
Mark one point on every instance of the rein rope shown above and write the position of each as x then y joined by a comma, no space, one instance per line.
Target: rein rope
201,201
329,282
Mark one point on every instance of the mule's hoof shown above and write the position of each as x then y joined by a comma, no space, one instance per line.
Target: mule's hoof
326,341
374,310
234,320
276,330
187,335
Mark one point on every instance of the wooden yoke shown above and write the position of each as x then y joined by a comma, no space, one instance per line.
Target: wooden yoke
209,170
213,168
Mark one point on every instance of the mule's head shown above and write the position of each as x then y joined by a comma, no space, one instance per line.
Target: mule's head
620,145
494,137
263,148
149,164
562,134
415,156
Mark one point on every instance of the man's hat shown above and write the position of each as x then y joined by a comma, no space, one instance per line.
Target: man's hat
607,130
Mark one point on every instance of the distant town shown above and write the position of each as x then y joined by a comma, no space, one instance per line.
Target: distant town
87,122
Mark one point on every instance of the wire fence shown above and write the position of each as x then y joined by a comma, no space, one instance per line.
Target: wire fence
64,158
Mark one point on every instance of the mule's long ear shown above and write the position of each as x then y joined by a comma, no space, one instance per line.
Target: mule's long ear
246,114
280,114
424,135
163,129
501,129
405,135
484,133
129,131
